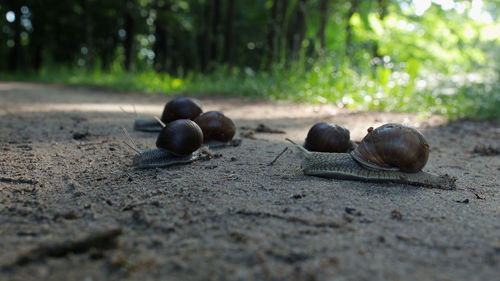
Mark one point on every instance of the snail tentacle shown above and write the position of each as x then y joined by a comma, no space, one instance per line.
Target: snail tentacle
302,149
132,144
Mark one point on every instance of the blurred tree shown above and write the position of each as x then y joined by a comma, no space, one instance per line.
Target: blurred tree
16,53
228,33
181,36
323,11
130,15
161,44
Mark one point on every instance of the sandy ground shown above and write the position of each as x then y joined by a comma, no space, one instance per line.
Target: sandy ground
73,208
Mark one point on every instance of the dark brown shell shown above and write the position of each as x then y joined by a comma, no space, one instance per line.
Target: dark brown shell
180,137
393,146
216,126
181,108
325,137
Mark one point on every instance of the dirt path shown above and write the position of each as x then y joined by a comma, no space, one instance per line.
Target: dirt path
74,209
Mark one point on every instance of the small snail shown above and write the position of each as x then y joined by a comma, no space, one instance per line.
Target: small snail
181,108
390,153
178,108
218,129
177,143
325,137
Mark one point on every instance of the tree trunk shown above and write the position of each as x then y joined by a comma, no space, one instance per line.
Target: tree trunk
348,40
228,46
87,33
160,46
283,30
298,37
205,38
382,12
16,50
129,41
323,9
271,37
37,55
215,31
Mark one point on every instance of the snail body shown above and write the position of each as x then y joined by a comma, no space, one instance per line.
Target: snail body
343,166
177,143
325,137
157,158
177,108
370,162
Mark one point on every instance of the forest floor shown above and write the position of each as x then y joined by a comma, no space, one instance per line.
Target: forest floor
73,208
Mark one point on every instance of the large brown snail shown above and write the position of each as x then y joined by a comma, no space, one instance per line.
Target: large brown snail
177,143
326,137
390,153
178,108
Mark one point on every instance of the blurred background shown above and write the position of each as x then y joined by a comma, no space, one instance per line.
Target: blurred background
422,56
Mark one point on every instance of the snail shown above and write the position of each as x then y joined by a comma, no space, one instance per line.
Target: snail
218,129
178,108
390,153
325,137
178,143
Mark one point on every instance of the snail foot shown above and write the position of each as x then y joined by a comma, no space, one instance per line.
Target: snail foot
147,125
213,144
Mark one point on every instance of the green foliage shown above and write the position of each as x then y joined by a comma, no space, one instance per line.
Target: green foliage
384,89
365,55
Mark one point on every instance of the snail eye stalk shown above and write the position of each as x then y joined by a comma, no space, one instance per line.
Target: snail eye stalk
132,143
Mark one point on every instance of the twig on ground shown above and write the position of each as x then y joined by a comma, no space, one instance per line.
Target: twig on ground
278,156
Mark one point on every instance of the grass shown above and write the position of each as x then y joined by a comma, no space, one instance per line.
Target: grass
382,88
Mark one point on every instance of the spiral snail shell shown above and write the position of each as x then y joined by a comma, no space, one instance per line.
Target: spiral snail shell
393,147
178,143
180,137
216,127
181,108
326,137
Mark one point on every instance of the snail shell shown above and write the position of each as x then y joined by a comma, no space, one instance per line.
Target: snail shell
180,137
393,147
216,126
181,108
325,137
